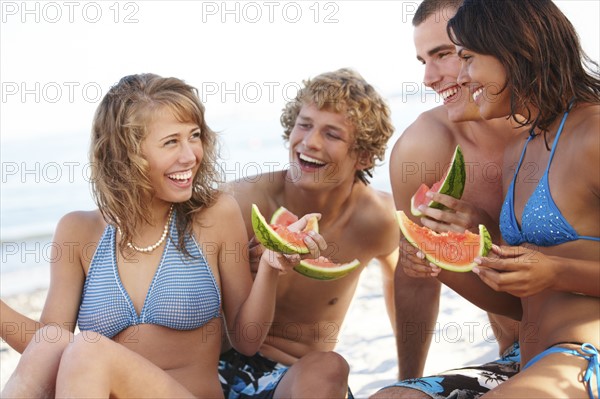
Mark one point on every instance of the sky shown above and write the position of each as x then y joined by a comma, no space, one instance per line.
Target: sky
58,58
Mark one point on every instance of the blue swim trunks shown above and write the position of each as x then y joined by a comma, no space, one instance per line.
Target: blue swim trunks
468,382
245,377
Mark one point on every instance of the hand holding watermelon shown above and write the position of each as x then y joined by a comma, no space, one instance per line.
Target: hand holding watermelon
451,251
285,234
458,215
413,262
286,239
440,206
451,184
287,245
520,271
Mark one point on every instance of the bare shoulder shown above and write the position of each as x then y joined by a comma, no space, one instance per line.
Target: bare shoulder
382,200
376,212
220,222
426,145
586,142
582,135
81,226
430,136
585,120
257,189
224,207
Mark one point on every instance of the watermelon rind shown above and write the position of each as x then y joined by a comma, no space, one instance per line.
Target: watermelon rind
269,237
485,244
453,184
306,268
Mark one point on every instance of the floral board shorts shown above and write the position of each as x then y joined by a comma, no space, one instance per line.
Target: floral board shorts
469,382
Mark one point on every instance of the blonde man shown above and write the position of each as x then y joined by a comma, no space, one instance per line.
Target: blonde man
336,129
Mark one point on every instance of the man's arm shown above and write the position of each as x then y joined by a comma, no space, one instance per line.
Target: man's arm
415,161
388,267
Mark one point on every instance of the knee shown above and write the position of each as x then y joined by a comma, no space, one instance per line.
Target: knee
328,366
400,393
83,346
50,340
35,374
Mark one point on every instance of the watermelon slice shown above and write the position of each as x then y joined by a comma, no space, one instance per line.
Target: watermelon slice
277,237
451,251
324,269
283,216
452,183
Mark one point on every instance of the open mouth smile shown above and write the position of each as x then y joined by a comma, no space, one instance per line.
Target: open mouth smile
449,93
181,178
310,162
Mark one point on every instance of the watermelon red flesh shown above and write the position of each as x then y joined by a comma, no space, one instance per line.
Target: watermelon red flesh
452,251
283,217
420,199
452,183
321,268
271,239
293,238
450,247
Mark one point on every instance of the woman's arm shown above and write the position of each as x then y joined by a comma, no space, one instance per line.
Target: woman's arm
249,306
523,272
16,328
64,294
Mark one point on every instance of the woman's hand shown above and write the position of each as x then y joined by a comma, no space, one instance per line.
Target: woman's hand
283,262
520,271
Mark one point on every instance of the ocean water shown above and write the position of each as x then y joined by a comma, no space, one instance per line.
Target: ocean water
47,175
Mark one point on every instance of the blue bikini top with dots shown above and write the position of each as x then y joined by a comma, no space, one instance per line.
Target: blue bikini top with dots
542,223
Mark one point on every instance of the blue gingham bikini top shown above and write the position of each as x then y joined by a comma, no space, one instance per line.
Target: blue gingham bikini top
183,294
542,222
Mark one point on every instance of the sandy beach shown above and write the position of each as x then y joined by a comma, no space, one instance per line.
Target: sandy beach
462,335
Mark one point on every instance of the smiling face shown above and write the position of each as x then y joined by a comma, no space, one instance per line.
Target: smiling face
321,151
485,78
442,66
173,150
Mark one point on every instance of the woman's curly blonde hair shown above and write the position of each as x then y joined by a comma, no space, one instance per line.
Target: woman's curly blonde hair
345,91
119,171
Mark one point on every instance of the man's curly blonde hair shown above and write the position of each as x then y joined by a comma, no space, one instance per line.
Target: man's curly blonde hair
345,91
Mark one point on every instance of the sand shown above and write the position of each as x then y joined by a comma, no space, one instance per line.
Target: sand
462,335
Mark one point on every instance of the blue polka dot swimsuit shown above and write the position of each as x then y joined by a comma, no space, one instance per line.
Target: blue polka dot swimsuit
542,223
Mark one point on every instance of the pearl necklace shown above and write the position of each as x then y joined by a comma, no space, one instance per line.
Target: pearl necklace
152,247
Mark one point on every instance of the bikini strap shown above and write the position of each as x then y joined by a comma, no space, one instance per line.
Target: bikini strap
593,367
590,353
554,144
521,158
